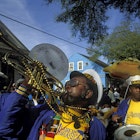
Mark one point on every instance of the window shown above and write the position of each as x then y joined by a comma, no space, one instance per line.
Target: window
71,66
80,65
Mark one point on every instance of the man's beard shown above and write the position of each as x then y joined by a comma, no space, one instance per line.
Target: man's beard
71,100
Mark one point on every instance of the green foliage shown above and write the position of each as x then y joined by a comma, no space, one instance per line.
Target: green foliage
124,42
87,17
88,23
127,6
87,20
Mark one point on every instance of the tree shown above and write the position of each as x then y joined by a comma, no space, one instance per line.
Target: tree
88,17
124,42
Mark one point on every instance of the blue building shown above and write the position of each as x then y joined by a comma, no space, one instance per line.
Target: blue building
81,63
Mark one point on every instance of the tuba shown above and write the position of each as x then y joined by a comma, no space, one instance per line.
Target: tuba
45,65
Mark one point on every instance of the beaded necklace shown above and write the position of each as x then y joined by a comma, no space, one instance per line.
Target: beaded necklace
52,128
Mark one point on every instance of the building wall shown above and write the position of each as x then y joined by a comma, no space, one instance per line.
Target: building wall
87,64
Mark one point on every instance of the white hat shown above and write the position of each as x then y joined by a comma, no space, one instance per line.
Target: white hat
95,78
133,80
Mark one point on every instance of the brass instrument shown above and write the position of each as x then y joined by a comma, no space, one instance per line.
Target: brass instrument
41,76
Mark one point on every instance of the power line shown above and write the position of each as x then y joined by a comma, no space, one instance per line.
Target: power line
43,31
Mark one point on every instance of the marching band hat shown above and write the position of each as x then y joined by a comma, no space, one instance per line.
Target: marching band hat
133,80
94,83
76,74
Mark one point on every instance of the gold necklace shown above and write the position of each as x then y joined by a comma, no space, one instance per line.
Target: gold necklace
74,107
76,119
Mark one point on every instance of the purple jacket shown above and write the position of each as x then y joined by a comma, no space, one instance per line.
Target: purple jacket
16,120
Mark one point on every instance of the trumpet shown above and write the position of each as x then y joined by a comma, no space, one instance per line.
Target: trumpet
41,77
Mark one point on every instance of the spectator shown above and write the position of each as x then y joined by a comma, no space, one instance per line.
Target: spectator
111,95
128,111
116,93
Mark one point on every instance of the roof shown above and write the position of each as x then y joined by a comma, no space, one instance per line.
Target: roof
8,41
97,61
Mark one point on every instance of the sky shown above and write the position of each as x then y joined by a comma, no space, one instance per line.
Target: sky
37,14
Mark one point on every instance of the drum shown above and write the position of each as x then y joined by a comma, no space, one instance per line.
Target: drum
127,132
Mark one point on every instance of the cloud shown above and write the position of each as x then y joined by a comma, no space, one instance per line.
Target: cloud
16,9
41,17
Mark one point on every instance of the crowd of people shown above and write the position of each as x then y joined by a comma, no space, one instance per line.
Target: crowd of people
76,117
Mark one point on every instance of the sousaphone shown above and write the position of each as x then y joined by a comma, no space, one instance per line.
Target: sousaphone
52,57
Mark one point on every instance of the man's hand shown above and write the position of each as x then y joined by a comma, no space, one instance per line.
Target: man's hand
25,83
116,118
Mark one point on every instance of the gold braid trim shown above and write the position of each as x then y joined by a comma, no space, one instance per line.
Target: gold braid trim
22,91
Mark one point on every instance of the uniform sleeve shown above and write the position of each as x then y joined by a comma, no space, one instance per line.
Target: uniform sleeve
11,115
97,130
3,97
122,109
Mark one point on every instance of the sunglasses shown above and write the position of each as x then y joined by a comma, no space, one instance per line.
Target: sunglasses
73,83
